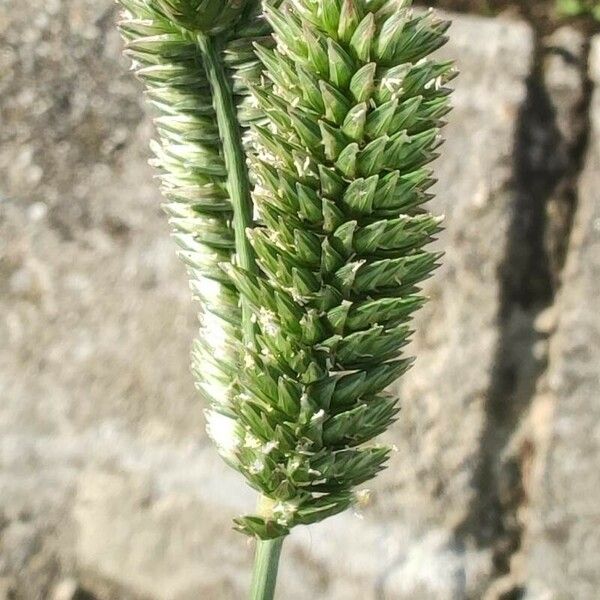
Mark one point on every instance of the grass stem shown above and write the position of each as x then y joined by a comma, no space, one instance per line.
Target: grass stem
266,564
235,161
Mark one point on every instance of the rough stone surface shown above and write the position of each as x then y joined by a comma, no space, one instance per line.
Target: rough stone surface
432,485
108,487
564,67
564,52
562,553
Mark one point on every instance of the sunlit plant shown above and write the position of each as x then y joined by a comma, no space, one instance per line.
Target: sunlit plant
576,8
294,139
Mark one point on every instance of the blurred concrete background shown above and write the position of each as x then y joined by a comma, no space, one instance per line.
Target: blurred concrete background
108,486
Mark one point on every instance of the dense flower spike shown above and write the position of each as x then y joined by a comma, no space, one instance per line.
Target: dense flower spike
305,313
164,39
353,111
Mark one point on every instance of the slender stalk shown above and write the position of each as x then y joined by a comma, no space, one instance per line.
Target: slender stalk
267,552
235,161
266,564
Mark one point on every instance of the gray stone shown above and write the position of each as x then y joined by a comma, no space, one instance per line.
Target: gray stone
67,589
431,484
96,314
562,554
563,61
564,67
165,545
7,588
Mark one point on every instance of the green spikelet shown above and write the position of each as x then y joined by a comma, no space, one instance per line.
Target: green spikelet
168,41
353,111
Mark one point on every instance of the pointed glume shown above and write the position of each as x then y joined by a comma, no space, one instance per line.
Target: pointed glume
353,111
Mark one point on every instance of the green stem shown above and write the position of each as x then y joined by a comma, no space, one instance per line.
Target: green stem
266,563
267,552
235,161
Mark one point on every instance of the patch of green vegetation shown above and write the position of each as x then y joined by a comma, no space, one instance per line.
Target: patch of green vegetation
577,8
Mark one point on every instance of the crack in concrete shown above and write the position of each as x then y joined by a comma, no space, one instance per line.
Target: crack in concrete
546,170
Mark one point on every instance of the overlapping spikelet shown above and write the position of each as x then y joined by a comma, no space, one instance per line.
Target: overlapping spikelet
353,112
161,39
